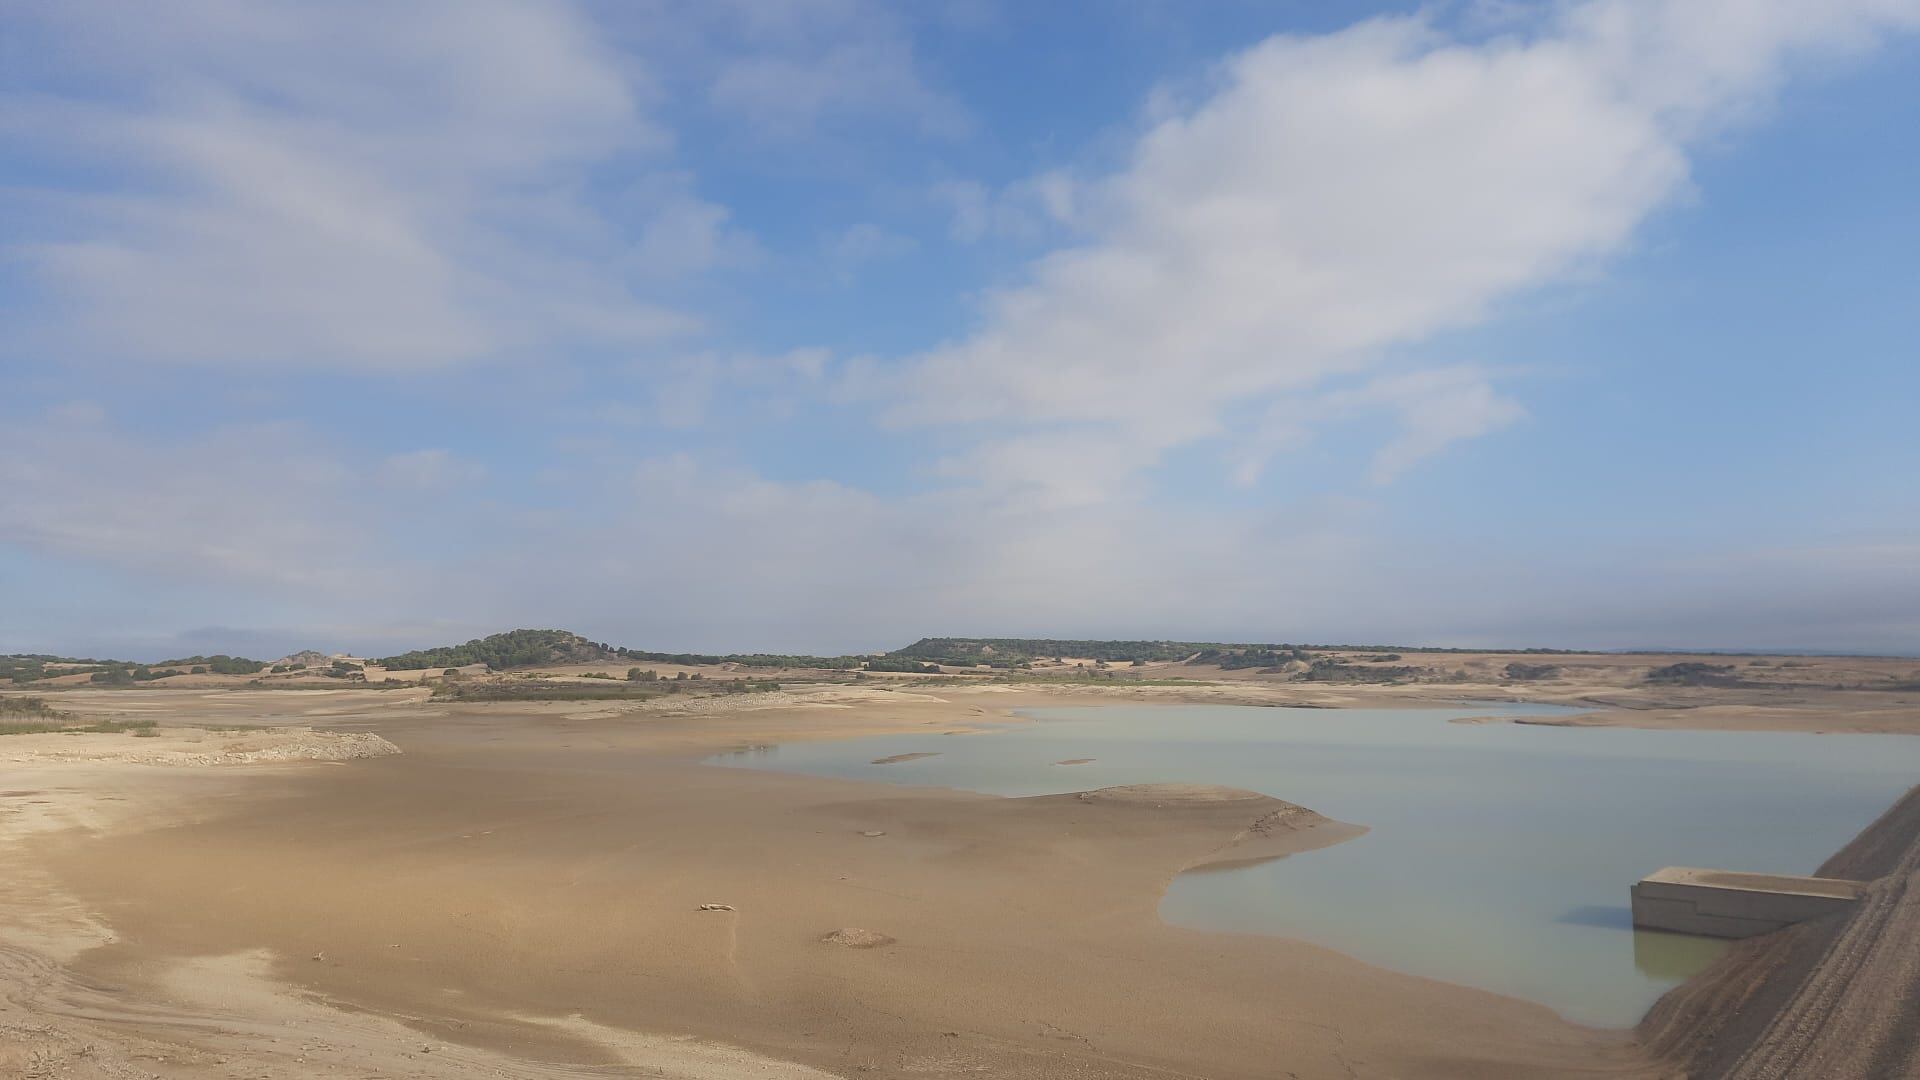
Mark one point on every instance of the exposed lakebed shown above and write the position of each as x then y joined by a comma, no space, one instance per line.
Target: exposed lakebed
1499,854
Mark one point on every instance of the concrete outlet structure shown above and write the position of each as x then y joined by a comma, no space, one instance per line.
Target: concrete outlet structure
1729,904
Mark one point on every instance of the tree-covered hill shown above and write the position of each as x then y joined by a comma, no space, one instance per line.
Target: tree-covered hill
27,667
531,648
515,648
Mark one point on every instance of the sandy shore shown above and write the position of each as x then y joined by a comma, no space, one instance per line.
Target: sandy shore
520,893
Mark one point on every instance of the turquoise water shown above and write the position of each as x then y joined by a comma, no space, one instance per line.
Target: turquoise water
1500,854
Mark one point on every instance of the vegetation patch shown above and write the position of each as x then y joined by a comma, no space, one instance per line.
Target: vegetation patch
31,667
1093,678
635,689
1695,673
1231,658
33,716
317,683
218,664
516,648
28,708
1017,652
1339,671
537,690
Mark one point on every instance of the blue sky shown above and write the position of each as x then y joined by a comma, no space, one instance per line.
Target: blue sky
825,324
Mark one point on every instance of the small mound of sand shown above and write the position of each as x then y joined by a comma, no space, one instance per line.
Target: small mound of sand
1174,794
1076,761
898,758
852,937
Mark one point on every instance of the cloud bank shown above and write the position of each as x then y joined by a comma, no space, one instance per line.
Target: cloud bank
359,186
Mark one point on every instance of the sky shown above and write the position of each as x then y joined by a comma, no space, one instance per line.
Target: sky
822,325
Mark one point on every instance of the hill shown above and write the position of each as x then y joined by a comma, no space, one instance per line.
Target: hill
1014,652
27,667
531,648
515,648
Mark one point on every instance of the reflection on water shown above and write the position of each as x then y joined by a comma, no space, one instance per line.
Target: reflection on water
1661,956
1674,957
1500,855
1618,916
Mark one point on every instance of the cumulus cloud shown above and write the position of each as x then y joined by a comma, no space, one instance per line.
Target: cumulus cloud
1336,196
359,185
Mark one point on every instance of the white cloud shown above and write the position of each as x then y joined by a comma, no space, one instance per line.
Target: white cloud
678,391
823,565
1265,245
268,527
790,67
684,234
968,200
1026,210
254,504
1434,408
1339,195
867,242
786,97
426,470
1435,413
353,184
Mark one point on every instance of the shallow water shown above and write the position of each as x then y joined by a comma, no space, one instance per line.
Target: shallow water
1500,854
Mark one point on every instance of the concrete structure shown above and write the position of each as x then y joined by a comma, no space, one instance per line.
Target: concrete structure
1729,904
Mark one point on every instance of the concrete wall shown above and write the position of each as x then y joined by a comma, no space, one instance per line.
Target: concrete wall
1729,905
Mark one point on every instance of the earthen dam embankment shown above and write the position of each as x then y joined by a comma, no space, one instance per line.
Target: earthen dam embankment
1836,997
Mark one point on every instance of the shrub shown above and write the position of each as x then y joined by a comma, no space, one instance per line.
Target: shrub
1694,673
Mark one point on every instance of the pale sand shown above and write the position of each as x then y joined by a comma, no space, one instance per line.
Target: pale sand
177,746
519,891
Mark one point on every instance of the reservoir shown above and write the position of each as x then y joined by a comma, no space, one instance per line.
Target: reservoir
1499,855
